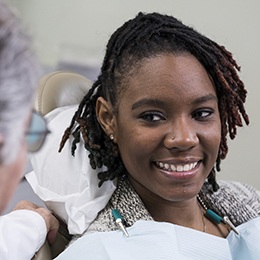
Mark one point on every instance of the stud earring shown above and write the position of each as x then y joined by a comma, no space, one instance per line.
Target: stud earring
111,137
173,138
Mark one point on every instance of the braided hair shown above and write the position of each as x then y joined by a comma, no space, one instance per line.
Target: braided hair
143,37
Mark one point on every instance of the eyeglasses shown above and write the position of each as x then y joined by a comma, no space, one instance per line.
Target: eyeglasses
37,132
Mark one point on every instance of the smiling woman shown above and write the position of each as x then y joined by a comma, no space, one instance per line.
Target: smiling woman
158,117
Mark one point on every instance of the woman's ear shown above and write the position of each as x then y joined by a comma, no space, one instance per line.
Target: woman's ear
105,116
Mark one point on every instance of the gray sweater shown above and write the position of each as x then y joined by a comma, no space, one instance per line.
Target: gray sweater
238,201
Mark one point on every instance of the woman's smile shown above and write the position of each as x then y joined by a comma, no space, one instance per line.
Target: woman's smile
178,171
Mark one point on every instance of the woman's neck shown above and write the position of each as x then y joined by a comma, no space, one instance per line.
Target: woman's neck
186,212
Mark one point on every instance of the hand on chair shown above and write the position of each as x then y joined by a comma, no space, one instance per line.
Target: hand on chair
51,222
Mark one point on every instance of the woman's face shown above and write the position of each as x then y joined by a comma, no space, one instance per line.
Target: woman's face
168,127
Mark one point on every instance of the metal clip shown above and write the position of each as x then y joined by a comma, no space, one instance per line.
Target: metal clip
227,221
119,221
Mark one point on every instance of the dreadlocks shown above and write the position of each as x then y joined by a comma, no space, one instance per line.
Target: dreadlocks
143,37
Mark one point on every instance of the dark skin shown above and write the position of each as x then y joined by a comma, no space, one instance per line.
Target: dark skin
168,130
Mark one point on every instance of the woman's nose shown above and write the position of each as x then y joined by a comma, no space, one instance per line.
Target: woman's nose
182,135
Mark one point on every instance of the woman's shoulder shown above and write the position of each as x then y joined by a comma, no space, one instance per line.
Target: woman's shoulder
246,193
239,201
243,190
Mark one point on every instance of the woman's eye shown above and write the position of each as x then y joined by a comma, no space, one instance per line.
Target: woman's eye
202,114
152,117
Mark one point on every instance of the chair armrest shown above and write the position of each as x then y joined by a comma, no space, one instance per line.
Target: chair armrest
48,252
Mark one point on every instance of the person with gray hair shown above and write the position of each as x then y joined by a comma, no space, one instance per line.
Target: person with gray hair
18,75
22,231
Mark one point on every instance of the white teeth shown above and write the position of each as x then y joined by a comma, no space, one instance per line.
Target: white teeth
161,165
166,166
173,168
178,168
186,167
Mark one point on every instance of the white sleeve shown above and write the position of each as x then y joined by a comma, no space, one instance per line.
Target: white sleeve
22,232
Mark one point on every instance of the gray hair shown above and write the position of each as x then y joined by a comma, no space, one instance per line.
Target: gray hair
19,72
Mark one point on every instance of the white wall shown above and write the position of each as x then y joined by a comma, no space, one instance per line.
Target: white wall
79,29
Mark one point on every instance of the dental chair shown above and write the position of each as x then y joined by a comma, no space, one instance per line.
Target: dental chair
55,90
59,89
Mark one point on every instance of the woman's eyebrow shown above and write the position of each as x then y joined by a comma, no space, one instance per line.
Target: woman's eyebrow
146,101
206,98
156,102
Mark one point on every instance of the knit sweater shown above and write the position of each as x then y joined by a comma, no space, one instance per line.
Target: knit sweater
238,201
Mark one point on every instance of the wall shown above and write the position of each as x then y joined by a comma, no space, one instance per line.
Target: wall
79,29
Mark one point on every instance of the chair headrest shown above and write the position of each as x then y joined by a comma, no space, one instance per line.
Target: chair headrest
60,88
